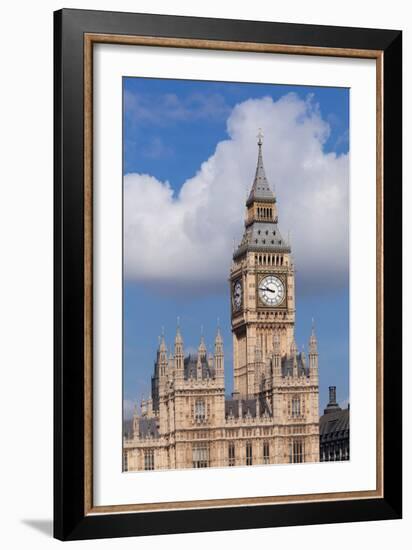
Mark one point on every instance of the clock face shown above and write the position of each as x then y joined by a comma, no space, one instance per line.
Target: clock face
271,290
237,295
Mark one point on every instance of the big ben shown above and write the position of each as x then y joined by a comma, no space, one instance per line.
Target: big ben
262,285
273,414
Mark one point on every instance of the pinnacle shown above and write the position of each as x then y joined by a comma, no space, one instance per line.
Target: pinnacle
260,189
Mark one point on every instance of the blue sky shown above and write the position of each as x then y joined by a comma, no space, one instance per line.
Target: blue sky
171,128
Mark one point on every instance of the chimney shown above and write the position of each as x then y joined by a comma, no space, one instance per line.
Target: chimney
332,406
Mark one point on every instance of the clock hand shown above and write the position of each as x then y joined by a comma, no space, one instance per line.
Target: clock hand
268,289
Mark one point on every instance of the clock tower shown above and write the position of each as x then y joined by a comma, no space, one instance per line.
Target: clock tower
273,415
262,281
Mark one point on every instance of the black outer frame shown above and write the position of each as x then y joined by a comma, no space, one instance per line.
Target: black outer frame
70,522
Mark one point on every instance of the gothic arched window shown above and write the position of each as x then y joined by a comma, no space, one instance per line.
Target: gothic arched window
296,406
266,456
249,454
200,410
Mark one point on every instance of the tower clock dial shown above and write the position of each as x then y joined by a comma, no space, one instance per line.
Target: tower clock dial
237,295
271,290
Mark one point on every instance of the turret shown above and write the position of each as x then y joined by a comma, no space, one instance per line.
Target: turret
179,353
162,356
201,355
219,357
313,353
202,347
313,343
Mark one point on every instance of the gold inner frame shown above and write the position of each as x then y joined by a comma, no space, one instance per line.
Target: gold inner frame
89,40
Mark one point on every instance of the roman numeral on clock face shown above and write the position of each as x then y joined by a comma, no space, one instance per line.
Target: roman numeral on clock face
271,290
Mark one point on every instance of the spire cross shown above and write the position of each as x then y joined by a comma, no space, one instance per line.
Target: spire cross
260,137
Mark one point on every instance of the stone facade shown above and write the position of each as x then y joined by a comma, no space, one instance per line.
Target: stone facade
272,415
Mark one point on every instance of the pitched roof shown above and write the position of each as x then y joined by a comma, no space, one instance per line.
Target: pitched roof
334,425
264,237
261,236
190,367
260,189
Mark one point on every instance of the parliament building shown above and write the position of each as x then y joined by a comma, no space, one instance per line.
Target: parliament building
272,415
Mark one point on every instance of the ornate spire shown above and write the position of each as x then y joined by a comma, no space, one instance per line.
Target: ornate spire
261,190
162,355
218,358
162,343
313,342
202,346
218,339
261,218
179,355
178,337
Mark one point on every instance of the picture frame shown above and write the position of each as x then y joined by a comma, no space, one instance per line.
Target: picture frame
76,32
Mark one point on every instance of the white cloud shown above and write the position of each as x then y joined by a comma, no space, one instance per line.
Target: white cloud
185,242
165,108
